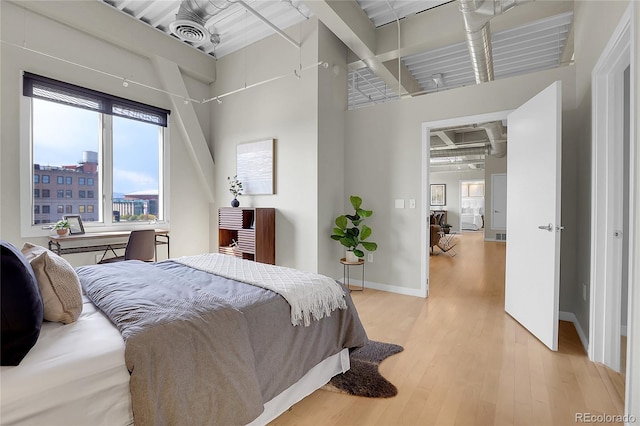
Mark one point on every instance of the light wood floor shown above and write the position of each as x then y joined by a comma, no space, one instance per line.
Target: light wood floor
466,362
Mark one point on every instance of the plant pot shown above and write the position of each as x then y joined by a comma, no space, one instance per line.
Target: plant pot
446,230
62,232
235,203
350,257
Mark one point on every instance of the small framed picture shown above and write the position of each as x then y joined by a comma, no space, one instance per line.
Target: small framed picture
75,222
438,194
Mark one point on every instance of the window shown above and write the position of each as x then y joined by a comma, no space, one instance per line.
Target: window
36,209
69,123
45,178
46,209
36,178
45,193
60,208
80,209
68,209
60,193
60,180
36,193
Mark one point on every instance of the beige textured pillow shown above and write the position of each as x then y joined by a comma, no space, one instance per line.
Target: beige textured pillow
58,282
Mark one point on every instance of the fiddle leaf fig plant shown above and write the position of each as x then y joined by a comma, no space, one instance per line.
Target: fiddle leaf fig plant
351,232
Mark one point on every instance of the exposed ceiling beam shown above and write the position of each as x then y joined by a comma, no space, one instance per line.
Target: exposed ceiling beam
446,138
351,25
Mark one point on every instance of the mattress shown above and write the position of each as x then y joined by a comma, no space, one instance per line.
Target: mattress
74,375
471,221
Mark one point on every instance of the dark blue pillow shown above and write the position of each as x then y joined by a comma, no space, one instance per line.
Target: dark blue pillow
21,305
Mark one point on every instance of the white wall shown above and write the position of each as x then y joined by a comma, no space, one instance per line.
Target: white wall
452,180
286,110
189,211
387,140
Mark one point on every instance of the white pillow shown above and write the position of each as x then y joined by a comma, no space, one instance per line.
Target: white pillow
58,282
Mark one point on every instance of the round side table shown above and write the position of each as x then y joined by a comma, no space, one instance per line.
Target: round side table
345,272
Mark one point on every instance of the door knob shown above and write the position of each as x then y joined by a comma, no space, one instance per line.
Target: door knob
548,227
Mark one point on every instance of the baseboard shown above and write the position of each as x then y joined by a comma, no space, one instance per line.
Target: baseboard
355,284
571,317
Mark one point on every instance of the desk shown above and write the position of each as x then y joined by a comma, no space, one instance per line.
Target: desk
345,272
86,242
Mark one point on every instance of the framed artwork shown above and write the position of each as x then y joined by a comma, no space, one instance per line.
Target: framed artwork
254,166
476,190
438,194
465,190
75,222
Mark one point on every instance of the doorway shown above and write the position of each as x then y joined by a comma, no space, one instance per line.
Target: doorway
613,210
427,181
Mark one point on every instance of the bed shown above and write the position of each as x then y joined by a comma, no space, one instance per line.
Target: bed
471,219
246,371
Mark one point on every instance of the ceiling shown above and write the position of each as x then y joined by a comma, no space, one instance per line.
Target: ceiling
432,54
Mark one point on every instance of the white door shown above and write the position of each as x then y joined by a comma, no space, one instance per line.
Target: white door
533,201
499,201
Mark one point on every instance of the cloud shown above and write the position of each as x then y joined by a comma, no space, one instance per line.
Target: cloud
126,181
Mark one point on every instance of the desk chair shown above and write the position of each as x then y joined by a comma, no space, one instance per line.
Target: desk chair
141,246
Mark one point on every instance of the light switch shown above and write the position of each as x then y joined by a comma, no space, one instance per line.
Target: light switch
399,204
412,203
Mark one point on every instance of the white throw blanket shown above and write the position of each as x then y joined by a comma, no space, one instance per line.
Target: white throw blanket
310,295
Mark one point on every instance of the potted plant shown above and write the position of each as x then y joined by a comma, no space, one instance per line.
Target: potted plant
446,228
235,187
62,227
353,236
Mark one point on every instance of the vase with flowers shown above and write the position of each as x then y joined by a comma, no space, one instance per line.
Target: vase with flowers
235,188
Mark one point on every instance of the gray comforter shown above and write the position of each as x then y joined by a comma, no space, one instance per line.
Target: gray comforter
203,349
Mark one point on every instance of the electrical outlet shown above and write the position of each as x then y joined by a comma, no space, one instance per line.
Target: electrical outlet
370,257
584,291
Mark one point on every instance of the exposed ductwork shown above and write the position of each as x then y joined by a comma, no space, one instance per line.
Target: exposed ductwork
476,15
458,152
192,17
497,136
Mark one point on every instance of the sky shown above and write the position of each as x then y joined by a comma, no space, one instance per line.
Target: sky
61,133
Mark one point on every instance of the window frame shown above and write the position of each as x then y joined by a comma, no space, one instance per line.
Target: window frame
103,195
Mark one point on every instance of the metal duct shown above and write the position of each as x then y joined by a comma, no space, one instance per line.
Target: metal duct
476,15
497,136
458,152
192,17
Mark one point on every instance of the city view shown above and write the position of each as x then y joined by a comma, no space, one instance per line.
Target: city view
67,176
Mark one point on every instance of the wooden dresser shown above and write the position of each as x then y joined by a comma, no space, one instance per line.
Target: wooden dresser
252,229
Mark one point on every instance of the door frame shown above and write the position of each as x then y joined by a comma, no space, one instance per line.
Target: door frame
424,209
605,292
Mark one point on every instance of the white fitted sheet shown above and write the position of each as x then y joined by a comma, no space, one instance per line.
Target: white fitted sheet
74,375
